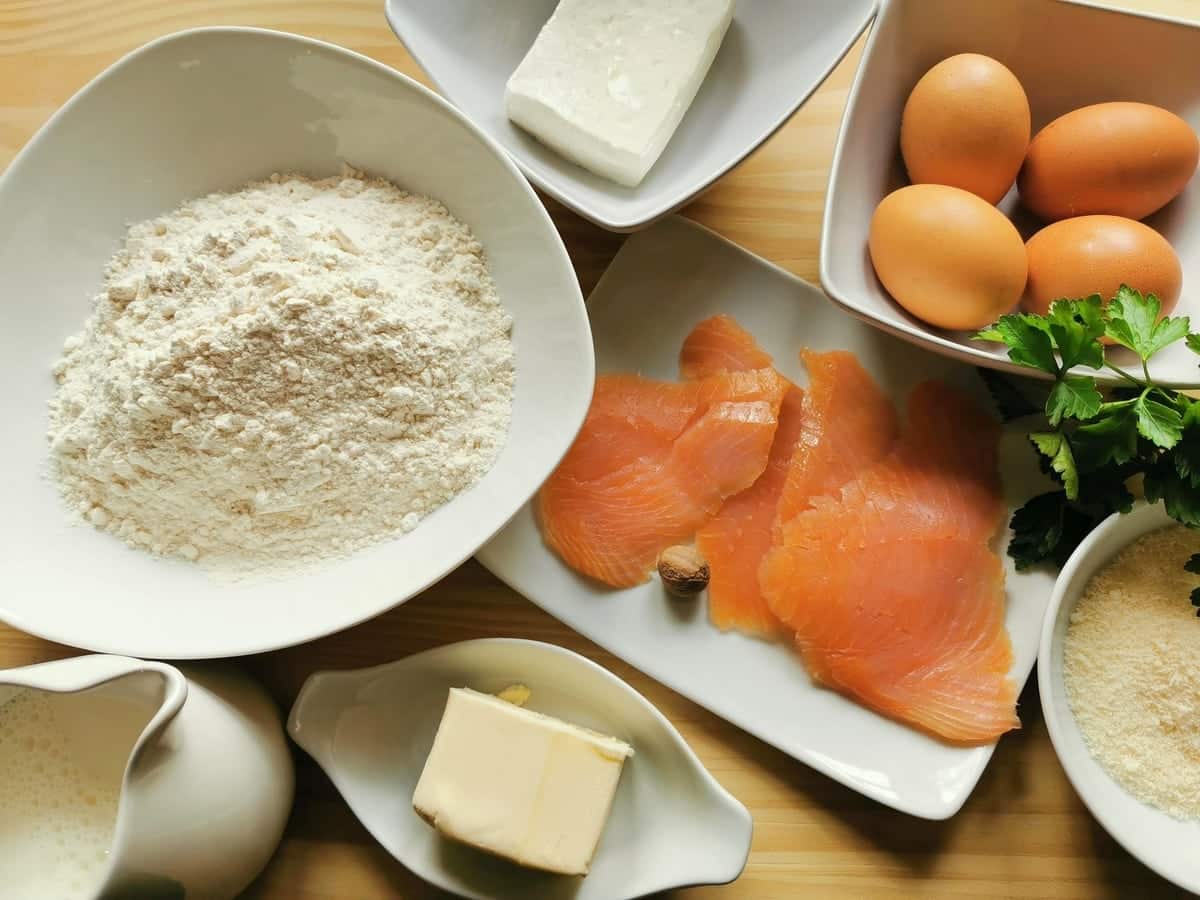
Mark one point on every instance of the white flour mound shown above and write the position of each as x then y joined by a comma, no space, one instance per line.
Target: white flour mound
284,374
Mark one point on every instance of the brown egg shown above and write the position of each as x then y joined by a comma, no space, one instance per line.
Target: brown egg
1096,255
1119,159
947,256
966,124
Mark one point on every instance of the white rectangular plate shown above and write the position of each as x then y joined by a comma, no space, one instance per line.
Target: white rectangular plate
663,282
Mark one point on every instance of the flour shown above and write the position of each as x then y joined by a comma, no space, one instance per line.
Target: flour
282,374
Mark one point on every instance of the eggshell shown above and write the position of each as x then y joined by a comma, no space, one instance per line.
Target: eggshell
1120,159
1096,255
966,124
947,256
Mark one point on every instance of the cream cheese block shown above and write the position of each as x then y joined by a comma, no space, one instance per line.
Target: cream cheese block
607,82
519,784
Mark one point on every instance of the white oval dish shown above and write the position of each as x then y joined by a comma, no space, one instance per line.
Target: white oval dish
672,824
206,110
1060,52
1165,844
774,56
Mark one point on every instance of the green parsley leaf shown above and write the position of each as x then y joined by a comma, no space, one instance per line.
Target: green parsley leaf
1131,317
1110,437
1157,422
1037,529
1076,327
1193,564
1186,456
1167,332
1073,397
1028,340
1098,440
1133,322
1180,498
1009,399
1057,449
1186,453
1050,527
1106,492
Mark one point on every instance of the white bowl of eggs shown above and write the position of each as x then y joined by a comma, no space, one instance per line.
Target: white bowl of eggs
993,157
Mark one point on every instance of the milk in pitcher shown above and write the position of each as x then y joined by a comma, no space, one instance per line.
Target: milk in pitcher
58,801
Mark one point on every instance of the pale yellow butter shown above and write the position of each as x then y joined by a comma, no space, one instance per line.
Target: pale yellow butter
519,784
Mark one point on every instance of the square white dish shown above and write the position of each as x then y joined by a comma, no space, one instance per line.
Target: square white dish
208,110
663,282
1062,53
773,57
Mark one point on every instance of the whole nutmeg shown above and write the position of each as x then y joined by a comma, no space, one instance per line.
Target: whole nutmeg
684,572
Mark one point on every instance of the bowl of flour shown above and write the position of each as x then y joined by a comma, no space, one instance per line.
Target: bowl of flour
287,340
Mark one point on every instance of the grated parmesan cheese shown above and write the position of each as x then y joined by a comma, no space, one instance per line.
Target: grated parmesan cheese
1131,664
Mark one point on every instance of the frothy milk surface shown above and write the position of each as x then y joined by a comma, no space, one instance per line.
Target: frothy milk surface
56,816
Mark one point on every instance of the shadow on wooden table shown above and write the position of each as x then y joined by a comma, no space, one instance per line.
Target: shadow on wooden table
1124,876
894,854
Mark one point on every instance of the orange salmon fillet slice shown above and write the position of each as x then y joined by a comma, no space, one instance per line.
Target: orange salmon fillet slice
653,462
925,644
890,585
735,540
848,425
720,344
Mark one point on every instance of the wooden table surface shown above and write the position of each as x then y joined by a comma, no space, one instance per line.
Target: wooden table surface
1023,833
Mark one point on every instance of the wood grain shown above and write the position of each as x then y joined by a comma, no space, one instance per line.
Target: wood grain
1023,833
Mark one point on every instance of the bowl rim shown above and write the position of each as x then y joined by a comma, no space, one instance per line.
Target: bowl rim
928,337
643,216
1048,686
205,648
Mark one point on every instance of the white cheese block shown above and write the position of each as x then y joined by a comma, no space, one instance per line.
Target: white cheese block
519,784
607,81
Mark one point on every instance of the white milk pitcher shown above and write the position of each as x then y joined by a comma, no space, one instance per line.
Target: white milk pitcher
128,779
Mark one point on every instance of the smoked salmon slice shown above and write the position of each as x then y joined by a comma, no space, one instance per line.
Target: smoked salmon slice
939,481
736,539
720,344
890,584
848,425
652,463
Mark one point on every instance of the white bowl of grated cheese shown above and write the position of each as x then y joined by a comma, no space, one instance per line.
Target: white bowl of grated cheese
1118,639
169,136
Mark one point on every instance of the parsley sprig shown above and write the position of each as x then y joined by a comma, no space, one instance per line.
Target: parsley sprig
1094,441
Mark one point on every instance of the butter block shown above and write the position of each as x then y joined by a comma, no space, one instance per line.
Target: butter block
607,82
519,784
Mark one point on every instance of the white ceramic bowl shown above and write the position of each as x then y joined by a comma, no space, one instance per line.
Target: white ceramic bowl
774,55
208,110
1063,54
1165,844
672,824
